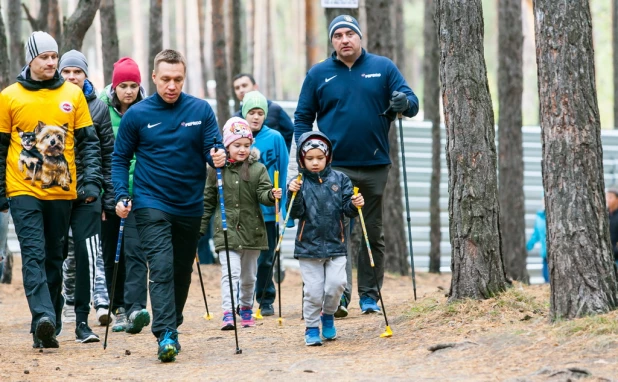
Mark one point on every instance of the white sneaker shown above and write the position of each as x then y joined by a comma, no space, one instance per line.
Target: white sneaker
103,317
68,313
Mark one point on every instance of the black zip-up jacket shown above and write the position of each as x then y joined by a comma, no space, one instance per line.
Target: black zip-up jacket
320,205
86,141
99,112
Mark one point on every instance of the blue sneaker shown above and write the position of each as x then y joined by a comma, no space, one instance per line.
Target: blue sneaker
137,320
329,332
168,346
369,305
312,337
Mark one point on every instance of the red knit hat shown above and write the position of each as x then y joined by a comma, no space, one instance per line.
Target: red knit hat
125,69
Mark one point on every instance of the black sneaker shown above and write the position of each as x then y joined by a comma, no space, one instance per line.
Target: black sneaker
84,334
268,310
45,334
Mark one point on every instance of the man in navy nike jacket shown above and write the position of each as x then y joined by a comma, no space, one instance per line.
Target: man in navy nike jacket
172,135
346,93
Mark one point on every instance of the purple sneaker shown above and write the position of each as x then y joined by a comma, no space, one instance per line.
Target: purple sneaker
228,321
246,317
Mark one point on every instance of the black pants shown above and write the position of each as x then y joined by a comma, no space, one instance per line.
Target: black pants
371,182
85,227
131,281
41,227
170,243
265,261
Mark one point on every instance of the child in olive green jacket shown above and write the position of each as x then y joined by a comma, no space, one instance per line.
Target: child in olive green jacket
246,185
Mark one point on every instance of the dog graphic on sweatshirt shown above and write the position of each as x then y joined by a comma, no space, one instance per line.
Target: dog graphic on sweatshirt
50,143
29,157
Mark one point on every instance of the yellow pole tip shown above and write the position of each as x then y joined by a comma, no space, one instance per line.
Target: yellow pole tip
258,314
387,333
280,320
208,316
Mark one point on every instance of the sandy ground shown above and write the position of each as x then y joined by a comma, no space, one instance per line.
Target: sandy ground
504,339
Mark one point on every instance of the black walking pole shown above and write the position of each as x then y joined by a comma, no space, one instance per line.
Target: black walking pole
116,260
227,250
207,315
405,186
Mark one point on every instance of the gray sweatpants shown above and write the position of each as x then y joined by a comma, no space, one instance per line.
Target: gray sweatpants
244,269
325,280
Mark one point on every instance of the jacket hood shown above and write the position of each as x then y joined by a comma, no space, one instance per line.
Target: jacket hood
108,93
304,138
89,91
25,79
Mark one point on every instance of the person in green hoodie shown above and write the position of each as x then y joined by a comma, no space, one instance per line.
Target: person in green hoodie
131,292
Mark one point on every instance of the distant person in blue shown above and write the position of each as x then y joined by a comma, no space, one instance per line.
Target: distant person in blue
172,135
539,235
611,199
347,93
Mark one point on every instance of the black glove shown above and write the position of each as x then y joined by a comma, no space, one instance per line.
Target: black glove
399,102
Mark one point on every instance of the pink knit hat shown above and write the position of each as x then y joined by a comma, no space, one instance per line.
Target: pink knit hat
236,128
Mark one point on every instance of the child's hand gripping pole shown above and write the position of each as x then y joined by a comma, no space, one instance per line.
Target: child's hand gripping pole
387,332
277,199
287,216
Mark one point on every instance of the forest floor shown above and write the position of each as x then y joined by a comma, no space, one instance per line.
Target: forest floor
508,338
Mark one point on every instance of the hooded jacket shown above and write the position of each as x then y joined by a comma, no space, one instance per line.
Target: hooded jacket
107,95
245,222
320,205
103,127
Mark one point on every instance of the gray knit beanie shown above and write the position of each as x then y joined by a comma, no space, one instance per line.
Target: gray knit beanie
74,59
39,42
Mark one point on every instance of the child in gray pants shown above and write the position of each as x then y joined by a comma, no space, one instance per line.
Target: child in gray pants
320,203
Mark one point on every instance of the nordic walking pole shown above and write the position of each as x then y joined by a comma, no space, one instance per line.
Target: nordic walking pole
207,315
285,222
116,260
278,253
405,185
227,250
388,332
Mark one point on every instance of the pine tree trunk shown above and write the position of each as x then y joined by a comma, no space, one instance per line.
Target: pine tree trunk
431,102
236,45
76,26
250,34
510,146
40,22
615,49
53,20
17,43
139,42
155,42
581,268
5,65
397,13
218,41
201,14
109,34
379,35
311,37
476,264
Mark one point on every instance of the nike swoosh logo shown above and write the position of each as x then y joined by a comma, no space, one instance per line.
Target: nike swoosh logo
328,79
151,126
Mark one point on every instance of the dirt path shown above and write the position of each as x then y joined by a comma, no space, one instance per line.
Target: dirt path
498,340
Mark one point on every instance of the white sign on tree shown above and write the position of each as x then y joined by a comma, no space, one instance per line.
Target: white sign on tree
340,3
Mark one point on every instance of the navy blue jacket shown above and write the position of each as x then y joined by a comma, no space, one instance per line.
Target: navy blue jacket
277,119
171,143
347,102
320,206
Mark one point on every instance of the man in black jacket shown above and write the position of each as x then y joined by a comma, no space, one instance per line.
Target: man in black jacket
82,246
42,119
276,118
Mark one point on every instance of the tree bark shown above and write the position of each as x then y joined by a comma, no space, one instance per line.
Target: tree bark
201,14
431,102
155,34
40,22
53,20
218,42
236,45
615,60
581,268
311,37
510,146
109,34
5,65
476,264
17,43
250,33
397,12
76,26
380,41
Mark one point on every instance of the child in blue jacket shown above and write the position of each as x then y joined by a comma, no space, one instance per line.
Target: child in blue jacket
539,235
322,199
